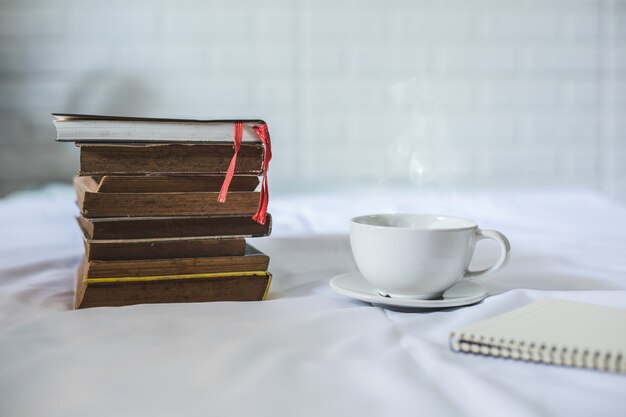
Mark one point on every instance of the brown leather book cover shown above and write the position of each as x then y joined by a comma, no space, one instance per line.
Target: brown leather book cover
94,202
200,158
252,260
244,286
172,183
135,249
173,227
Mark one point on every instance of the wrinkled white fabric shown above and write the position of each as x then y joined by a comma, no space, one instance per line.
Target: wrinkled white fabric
306,351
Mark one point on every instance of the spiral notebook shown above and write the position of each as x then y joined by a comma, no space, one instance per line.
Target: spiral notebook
551,331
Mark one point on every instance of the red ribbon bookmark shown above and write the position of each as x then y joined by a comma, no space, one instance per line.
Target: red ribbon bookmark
230,172
264,135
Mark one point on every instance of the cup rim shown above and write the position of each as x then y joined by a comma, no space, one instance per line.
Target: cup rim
357,221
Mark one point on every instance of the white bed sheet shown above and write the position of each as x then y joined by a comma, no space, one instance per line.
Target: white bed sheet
306,351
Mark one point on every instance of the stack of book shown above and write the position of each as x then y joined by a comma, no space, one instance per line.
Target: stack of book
166,206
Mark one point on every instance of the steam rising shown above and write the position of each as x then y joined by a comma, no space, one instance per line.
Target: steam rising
422,153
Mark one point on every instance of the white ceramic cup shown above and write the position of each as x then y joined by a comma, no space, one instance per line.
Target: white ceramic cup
418,256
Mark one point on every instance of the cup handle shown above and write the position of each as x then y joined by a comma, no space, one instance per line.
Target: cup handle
505,251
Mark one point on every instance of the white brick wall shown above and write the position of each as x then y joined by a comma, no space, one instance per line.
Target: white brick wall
447,93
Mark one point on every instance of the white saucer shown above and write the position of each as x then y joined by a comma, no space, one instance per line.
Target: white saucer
353,285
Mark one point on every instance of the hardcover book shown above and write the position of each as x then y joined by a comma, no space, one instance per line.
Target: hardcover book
252,260
201,158
173,227
87,128
135,249
94,201
111,292
172,183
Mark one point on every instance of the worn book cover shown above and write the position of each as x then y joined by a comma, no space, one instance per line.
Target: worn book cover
96,201
251,260
200,158
168,183
135,249
173,227
111,292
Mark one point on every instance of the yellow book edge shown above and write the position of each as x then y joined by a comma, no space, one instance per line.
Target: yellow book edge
186,276
173,277
267,287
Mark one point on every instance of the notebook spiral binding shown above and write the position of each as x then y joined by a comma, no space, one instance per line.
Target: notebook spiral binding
533,352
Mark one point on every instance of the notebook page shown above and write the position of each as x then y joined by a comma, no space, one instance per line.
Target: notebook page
553,322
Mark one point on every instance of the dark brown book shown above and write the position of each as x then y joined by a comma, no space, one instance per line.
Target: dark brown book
93,202
252,260
172,183
244,286
198,158
173,227
134,249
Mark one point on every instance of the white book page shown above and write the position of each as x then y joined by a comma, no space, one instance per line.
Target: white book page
554,322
